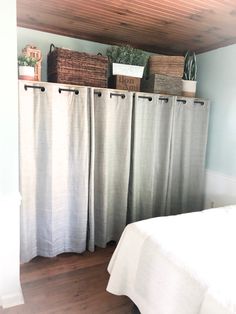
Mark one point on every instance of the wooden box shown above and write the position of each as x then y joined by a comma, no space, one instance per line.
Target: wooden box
33,52
125,83
166,65
162,84
73,67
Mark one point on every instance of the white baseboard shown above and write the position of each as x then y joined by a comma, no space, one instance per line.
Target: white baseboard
12,299
220,189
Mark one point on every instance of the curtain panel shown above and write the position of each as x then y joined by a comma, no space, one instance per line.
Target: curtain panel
150,157
54,170
111,116
188,150
93,160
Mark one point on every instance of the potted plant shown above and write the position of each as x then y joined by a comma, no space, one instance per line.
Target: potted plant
189,82
26,67
127,61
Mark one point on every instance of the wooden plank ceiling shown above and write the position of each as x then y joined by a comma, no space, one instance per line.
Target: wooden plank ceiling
168,26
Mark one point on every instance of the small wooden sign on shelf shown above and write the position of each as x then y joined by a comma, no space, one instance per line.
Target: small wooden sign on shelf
33,52
125,83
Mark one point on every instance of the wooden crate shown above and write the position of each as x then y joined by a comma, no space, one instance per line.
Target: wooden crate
162,84
166,65
73,67
33,52
125,83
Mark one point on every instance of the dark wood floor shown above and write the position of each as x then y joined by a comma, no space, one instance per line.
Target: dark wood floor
69,283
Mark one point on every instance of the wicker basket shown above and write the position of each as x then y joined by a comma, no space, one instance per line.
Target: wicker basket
73,67
166,65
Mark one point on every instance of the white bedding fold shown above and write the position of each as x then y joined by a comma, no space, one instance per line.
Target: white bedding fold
184,264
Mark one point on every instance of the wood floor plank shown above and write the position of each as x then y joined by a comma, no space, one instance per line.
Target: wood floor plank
69,283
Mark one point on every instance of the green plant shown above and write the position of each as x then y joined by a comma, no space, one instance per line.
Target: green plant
190,66
127,55
24,60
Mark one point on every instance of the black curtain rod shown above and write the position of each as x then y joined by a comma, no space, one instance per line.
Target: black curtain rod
146,97
165,99
111,94
119,95
76,91
123,96
42,88
199,102
98,93
183,101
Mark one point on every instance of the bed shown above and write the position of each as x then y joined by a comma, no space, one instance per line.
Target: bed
183,264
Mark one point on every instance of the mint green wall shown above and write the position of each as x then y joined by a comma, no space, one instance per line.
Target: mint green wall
43,40
217,82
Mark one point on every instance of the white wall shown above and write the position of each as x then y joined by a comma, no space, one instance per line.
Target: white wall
10,290
220,189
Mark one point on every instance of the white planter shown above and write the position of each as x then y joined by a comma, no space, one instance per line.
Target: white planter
189,88
127,70
26,73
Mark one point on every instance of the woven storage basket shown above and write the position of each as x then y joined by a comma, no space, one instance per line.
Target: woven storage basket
166,65
73,67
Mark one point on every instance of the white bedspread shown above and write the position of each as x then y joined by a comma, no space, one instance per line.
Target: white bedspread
184,264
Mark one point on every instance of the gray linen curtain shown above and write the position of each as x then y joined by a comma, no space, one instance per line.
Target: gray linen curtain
93,161
152,124
111,115
188,149
54,170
